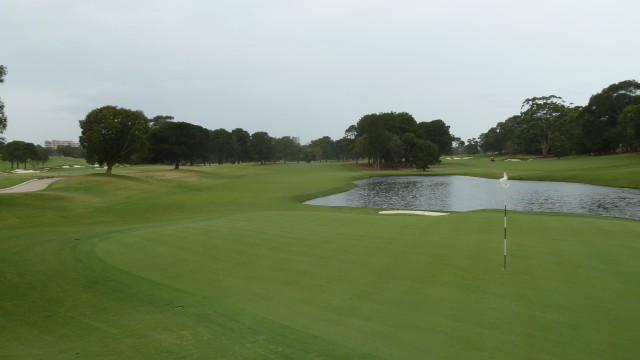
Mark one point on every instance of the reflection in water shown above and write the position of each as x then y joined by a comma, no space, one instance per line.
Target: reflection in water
464,193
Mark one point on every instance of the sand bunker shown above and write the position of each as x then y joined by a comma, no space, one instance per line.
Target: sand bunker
413,212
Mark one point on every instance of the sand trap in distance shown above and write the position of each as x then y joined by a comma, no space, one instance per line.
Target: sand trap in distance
414,212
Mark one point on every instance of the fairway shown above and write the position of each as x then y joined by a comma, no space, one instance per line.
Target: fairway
225,262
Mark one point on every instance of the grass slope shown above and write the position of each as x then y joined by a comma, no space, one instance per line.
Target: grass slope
615,170
224,262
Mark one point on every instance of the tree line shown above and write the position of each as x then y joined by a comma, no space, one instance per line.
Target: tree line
17,152
112,135
20,152
547,126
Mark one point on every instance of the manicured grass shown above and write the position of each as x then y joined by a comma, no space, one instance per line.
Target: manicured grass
615,170
225,262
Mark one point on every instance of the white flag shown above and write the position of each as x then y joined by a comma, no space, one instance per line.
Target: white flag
504,182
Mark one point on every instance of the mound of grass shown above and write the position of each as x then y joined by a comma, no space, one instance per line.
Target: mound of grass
225,262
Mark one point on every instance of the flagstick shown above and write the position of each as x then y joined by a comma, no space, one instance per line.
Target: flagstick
504,183
505,230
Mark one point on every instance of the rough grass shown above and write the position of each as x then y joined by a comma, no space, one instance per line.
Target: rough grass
224,262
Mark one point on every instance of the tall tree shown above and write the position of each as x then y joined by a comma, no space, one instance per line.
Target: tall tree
395,151
629,127
542,117
221,145
599,118
409,141
490,141
344,148
436,131
112,135
398,123
178,142
373,137
3,117
347,145
262,146
241,139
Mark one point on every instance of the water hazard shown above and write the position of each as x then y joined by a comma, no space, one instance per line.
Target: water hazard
464,193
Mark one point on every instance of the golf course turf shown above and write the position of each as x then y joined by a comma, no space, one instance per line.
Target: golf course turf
226,262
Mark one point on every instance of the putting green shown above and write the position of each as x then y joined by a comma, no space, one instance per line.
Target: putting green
405,287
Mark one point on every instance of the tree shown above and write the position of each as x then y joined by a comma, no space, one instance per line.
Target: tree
541,117
287,149
262,146
112,135
491,141
159,119
599,118
560,144
472,147
177,142
398,123
3,117
20,152
436,131
347,145
41,156
458,146
409,141
629,127
221,145
395,151
324,148
241,139
12,152
344,148
425,153
307,154
373,137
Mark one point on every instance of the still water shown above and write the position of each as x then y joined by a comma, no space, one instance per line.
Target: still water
464,193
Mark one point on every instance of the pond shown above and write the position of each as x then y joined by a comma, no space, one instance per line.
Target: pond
465,193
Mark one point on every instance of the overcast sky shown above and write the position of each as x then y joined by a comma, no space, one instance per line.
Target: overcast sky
306,68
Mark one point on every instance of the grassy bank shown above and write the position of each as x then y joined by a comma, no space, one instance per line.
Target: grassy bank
615,170
224,262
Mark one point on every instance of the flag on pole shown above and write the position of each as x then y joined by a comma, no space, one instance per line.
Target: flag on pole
504,183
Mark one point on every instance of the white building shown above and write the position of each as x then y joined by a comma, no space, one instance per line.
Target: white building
53,144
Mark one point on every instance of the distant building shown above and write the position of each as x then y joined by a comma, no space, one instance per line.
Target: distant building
53,144
296,139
